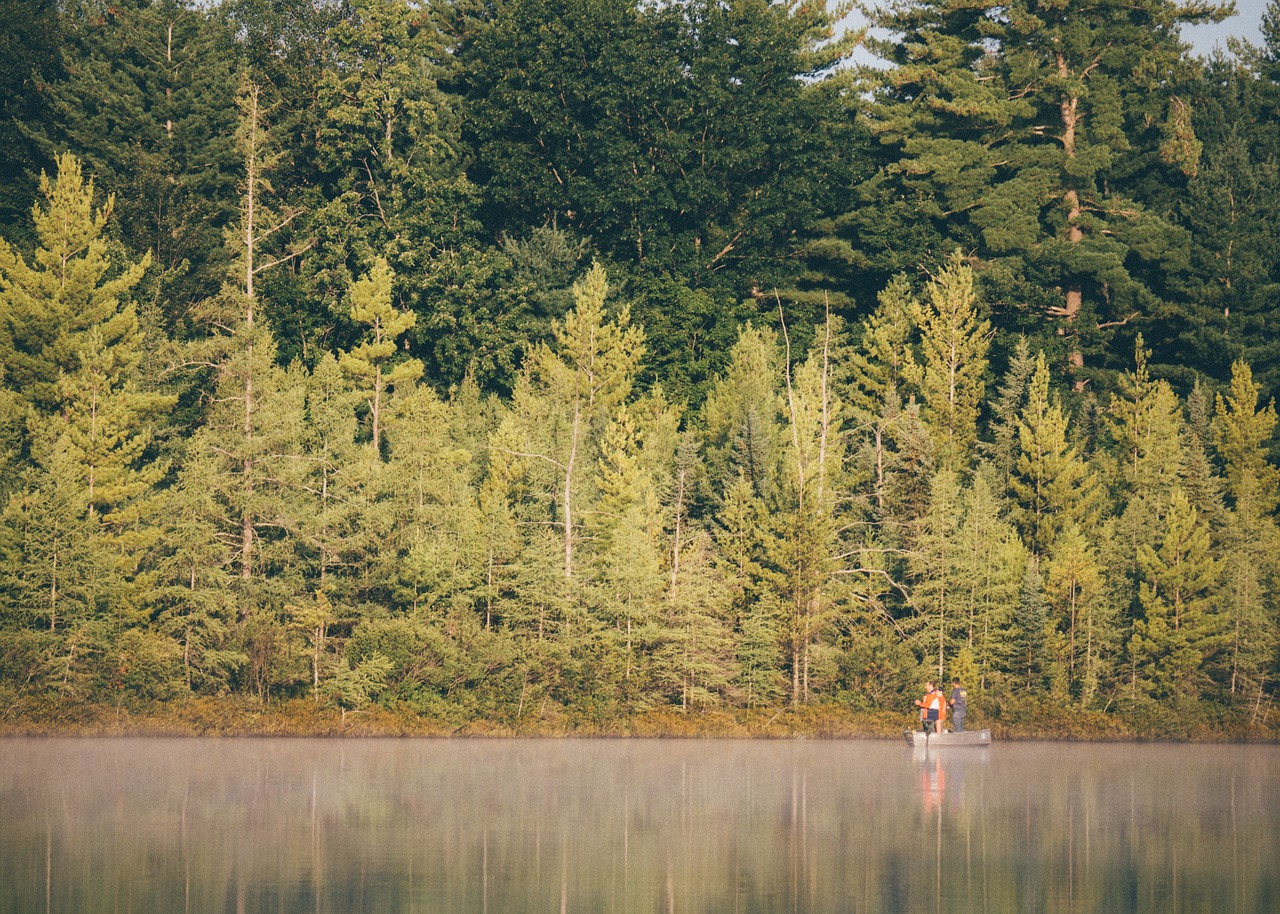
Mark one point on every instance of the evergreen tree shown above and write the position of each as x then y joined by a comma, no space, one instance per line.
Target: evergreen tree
340,482
427,541
1012,124
372,305
252,428
1242,432
991,561
147,102
935,568
1249,555
386,162
195,561
74,286
1003,449
567,395
30,40
953,348
1052,486
743,417
1081,613
1181,628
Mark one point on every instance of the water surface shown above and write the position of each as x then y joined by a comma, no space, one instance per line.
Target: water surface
247,825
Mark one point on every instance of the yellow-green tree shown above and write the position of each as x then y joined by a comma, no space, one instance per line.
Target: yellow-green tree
372,362
73,285
953,350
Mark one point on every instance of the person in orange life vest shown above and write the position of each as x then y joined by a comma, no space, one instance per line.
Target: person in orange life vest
933,709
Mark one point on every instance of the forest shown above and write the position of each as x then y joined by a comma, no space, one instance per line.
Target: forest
550,364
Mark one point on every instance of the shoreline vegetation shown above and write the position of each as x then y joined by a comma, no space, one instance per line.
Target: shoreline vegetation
299,718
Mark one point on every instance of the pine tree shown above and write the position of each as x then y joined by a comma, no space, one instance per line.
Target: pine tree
1002,451
951,376
935,568
195,563
372,305
567,396
253,426
1051,485
73,286
424,533
743,416
340,481
1242,432
31,37
146,99
990,563
387,151
1081,612
1250,548
1012,125
108,420
696,660
1181,629
809,547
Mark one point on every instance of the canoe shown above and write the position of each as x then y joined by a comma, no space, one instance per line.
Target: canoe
938,740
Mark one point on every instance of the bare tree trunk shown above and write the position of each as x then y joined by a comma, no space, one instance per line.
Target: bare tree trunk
568,488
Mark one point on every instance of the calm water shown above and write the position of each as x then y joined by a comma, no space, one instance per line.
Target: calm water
634,826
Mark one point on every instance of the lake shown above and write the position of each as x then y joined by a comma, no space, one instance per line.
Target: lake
459,826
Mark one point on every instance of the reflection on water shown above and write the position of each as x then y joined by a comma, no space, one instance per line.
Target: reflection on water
634,826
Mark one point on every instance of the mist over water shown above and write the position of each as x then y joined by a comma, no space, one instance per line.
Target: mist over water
634,826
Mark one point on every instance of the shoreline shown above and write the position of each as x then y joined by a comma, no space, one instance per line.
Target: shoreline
299,718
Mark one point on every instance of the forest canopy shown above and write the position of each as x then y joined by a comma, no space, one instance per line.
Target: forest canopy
576,359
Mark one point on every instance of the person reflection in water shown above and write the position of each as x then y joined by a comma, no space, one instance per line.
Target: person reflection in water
932,709
933,784
959,699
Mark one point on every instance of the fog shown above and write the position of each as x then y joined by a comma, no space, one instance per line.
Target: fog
634,825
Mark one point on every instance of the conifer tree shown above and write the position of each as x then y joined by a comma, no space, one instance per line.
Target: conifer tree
951,377
1050,483
147,101
387,154
1075,588
1147,425
743,416
1250,549
1242,432
72,287
1012,123
253,424
194,563
372,305
423,528
935,568
1003,449
809,551
340,482
568,394
991,560
108,420
1181,628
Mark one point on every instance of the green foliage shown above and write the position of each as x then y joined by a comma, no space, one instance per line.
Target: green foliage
146,100
73,286
550,364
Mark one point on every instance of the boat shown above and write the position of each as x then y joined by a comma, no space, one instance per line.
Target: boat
939,740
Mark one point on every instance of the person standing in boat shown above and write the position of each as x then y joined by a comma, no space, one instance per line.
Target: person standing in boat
959,699
933,708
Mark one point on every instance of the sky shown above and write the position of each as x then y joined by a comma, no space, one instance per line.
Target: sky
1246,23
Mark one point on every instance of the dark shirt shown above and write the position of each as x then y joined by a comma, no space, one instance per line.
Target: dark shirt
958,698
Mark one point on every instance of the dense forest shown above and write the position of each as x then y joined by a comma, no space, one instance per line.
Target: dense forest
539,361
